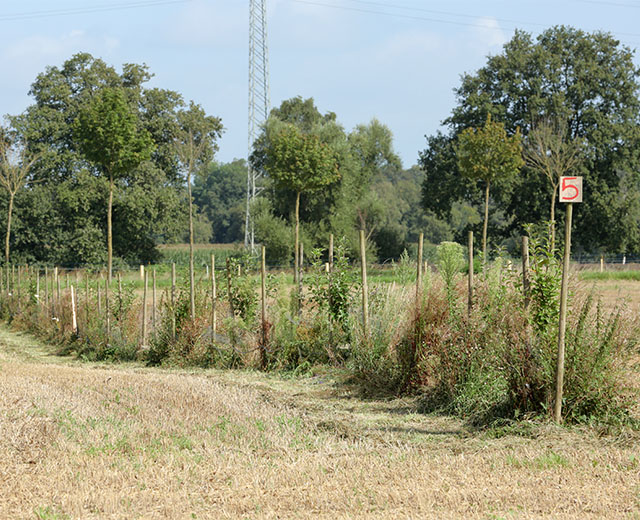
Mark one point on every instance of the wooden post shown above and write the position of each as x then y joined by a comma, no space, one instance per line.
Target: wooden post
365,287
38,287
143,340
419,268
67,280
300,272
470,295
229,288
173,300
526,280
46,288
263,294
141,272
86,302
153,308
106,309
602,263
214,299
563,314
74,320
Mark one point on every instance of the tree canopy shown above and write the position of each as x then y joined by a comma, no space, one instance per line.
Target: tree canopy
587,79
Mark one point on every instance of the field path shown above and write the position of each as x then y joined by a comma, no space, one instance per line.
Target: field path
99,441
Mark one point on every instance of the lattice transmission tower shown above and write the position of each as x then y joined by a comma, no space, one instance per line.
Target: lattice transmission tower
258,100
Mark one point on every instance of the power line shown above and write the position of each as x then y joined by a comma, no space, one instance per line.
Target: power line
429,19
87,10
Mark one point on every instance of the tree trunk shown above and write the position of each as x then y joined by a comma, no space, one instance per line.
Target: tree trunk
192,289
296,254
486,223
552,224
110,231
6,245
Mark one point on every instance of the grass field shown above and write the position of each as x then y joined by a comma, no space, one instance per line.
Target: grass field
84,441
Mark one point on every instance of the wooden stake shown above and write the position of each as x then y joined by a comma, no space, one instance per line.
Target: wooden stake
38,287
526,281
154,303
99,298
300,273
214,299
106,309
74,321
173,300
602,263
563,314
86,302
419,268
470,295
144,310
263,294
46,288
365,287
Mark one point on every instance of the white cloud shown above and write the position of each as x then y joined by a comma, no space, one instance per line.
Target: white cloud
488,33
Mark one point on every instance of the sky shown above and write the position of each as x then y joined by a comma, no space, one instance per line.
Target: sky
397,61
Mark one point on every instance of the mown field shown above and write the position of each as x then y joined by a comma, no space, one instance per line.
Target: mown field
87,440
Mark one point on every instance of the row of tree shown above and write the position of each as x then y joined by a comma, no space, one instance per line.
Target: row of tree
99,158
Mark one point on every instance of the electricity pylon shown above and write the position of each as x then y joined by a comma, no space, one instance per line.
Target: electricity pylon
258,100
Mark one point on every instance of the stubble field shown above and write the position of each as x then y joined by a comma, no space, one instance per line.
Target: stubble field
81,440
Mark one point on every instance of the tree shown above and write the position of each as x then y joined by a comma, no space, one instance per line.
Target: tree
195,146
59,216
109,134
301,163
15,165
220,192
587,79
489,154
549,152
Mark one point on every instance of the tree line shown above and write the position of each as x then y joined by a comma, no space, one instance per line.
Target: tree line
101,168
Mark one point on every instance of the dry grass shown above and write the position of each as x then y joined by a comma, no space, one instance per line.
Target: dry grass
97,441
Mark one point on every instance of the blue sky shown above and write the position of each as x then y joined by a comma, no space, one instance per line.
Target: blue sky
395,60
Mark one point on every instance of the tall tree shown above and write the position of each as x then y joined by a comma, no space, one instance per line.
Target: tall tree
61,218
489,154
195,146
110,135
588,79
302,163
551,153
15,166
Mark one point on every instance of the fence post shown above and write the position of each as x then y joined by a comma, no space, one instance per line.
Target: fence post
143,341
106,309
74,321
214,299
263,293
154,303
300,272
419,269
173,300
470,296
365,288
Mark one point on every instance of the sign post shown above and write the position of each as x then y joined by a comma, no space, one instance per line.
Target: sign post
570,192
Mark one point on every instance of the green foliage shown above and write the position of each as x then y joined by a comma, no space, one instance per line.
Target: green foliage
242,293
450,261
110,135
300,162
588,80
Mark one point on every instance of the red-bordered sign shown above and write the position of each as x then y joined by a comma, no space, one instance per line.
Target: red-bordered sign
570,189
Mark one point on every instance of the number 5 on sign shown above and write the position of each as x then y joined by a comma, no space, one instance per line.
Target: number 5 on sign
570,189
